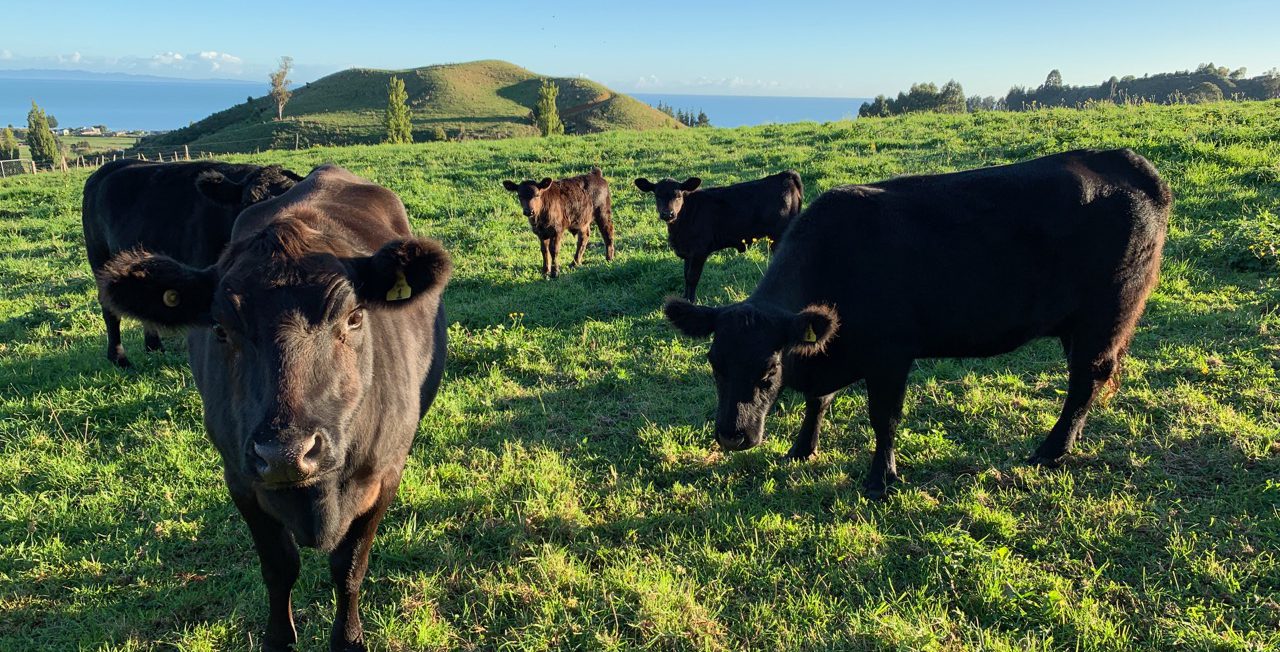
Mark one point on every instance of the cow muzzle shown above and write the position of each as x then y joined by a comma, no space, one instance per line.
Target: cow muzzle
289,462
736,441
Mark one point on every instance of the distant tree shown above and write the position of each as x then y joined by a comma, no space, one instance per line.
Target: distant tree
1271,84
546,116
437,133
951,98
1239,73
53,122
1054,80
81,147
397,120
44,147
977,103
101,128
703,120
280,85
9,149
876,108
1204,92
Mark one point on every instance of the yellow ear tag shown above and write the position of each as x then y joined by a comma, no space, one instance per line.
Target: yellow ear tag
810,337
171,298
401,290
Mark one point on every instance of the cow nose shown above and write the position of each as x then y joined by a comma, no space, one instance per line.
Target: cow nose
528,213
290,461
668,216
735,441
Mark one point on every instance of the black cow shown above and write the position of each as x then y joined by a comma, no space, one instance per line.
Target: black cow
317,341
702,222
970,264
569,204
184,210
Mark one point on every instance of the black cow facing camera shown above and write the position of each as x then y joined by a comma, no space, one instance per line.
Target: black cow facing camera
972,264
701,221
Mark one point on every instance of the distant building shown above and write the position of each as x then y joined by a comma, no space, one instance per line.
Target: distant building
89,131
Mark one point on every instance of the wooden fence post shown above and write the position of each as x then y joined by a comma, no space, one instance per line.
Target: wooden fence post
187,150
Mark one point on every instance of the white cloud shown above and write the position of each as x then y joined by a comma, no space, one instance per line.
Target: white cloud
166,59
648,81
72,58
5,55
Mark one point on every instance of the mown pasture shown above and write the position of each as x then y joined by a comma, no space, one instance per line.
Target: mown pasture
564,491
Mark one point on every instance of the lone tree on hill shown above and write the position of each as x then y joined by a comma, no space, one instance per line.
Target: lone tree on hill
280,85
45,150
8,144
545,115
399,126
1054,80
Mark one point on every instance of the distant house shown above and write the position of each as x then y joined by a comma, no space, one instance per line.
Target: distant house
89,131
120,134
65,131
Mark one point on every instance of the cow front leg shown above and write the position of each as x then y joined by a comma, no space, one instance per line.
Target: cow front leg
553,244
693,274
806,441
347,565
546,257
115,349
278,556
885,392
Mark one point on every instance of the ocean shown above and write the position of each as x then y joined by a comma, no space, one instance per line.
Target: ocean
121,105
155,105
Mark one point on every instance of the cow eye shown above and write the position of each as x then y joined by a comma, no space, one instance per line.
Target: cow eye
219,332
355,319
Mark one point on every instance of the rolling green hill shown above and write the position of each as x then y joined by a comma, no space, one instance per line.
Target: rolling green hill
564,492
480,99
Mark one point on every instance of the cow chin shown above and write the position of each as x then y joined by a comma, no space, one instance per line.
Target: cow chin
745,432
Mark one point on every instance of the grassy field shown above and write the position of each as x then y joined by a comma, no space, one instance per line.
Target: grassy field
97,145
564,491
478,99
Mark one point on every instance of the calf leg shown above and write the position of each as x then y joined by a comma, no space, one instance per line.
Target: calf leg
347,566
546,258
692,274
553,245
115,350
152,340
1089,367
278,556
604,222
583,236
806,441
885,392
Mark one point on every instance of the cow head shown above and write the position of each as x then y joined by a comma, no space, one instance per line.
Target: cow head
529,194
669,195
747,354
293,322
261,184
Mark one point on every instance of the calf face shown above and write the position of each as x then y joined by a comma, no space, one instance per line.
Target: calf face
529,194
262,184
291,320
669,194
747,355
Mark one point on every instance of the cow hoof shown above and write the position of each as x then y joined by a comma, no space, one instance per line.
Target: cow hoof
121,362
795,455
155,348
1044,461
880,489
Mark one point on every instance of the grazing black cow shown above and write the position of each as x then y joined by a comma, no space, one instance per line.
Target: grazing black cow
569,204
970,264
317,341
703,221
184,210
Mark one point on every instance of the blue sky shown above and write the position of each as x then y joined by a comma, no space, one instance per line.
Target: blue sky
839,49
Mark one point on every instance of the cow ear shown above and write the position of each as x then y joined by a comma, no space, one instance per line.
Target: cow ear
219,189
157,289
510,186
812,329
691,184
402,271
292,175
690,318
644,185
544,184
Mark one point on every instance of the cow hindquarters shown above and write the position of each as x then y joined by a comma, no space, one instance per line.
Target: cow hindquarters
278,556
347,565
604,222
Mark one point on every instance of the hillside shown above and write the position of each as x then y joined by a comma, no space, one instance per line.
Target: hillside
481,99
564,491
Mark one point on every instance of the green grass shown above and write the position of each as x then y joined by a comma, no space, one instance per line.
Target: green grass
479,99
564,491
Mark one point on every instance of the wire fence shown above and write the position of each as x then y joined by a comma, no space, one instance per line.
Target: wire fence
159,153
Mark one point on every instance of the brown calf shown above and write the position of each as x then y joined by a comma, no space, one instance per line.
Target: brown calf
569,204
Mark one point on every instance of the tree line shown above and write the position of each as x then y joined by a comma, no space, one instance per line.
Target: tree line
686,118
1207,83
